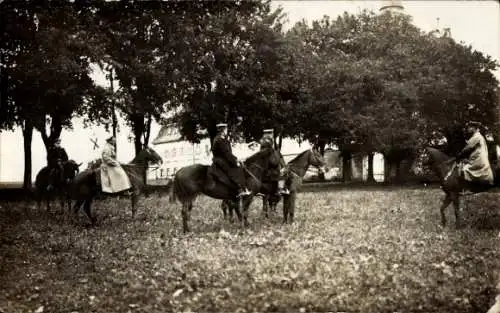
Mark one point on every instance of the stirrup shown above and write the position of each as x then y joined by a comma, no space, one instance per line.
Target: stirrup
243,193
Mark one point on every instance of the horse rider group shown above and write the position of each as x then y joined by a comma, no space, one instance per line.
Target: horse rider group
112,175
473,163
474,166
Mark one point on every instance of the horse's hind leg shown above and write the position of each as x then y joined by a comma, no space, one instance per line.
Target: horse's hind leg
86,207
456,205
291,208
444,205
77,205
286,208
186,213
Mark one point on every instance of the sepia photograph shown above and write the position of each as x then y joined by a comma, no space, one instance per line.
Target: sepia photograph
242,156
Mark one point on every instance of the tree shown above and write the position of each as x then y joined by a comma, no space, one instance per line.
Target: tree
235,78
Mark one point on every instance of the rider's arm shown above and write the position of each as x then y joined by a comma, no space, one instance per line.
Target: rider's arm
471,146
225,149
108,158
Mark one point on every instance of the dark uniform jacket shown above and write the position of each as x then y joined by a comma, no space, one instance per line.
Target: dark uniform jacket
225,162
54,154
222,152
273,173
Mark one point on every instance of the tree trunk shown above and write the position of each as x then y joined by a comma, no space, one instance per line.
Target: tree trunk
113,109
212,132
397,178
140,132
138,129
55,132
346,166
147,130
27,136
370,177
387,169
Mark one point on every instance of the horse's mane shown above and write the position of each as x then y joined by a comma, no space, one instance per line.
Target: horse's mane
298,156
257,156
438,155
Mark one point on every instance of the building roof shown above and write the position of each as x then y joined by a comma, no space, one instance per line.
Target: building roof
167,133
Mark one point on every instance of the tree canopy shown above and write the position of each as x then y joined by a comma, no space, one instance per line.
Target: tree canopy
366,82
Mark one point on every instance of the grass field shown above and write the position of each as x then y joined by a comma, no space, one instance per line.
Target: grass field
349,250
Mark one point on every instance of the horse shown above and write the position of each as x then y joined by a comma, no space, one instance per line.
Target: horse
86,185
59,184
191,181
294,173
445,167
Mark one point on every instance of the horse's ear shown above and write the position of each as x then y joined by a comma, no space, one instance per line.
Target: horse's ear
79,164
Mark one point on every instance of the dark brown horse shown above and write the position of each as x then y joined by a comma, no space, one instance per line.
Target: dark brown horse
294,173
86,185
190,181
59,184
446,169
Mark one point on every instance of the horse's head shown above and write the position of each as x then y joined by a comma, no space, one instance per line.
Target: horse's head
433,159
95,164
317,160
71,168
433,156
148,155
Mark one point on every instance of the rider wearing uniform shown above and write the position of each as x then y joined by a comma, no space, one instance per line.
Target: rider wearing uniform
274,176
475,167
224,159
56,157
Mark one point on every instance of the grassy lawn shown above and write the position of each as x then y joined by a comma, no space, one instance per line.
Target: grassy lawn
349,250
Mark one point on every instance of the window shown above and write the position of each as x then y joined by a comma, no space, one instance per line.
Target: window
174,151
168,172
175,171
166,153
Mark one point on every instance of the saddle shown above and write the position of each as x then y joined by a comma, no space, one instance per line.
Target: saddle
214,175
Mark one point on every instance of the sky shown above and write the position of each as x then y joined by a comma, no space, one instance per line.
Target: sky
473,22
476,23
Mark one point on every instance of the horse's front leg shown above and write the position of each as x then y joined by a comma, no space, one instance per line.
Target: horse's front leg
134,198
444,205
245,204
265,205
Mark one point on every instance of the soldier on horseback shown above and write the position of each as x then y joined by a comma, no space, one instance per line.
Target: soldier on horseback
274,175
56,157
475,166
224,160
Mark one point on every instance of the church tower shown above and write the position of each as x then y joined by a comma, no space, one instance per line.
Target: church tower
392,5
